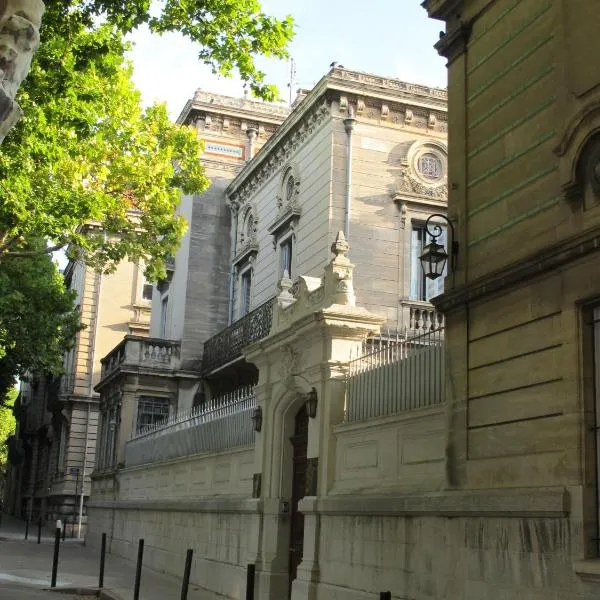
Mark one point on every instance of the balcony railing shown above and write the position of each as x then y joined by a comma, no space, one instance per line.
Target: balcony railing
141,351
221,423
393,376
417,317
228,344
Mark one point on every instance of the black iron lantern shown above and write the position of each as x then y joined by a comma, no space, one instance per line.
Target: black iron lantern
257,418
434,257
311,403
433,260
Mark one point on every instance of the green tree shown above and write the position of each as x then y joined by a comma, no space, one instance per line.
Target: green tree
7,428
88,169
38,321
231,33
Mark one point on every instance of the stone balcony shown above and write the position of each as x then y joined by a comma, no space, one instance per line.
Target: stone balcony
142,355
417,317
226,347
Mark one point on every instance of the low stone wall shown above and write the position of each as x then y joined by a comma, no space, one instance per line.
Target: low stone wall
402,452
216,530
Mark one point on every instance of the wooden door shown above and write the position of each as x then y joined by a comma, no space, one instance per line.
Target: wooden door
300,444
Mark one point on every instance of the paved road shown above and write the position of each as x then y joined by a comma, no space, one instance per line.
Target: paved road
25,569
20,591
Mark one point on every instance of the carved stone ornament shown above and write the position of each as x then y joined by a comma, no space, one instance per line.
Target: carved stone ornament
411,184
290,362
20,22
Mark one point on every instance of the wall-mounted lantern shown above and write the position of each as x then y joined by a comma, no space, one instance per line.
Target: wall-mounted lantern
257,418
311,403
434,257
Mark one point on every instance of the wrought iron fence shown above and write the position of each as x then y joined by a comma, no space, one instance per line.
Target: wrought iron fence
228,344
223,422
392,375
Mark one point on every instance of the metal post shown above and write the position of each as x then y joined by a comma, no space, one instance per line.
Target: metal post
39,529
102,557
55,559
186,574
27,528
64,529
250,582
385,595
138,570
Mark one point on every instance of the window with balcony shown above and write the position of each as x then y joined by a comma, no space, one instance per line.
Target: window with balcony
421,287
151,410
286,249
164,308
245,291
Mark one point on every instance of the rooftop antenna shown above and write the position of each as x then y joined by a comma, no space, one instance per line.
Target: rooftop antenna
292,77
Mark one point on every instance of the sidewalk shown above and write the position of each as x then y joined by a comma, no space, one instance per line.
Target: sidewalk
28,563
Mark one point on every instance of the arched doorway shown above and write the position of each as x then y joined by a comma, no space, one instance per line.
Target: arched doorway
299,443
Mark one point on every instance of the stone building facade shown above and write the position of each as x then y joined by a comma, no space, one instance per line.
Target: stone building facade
521,307
146,381
57,420
260,461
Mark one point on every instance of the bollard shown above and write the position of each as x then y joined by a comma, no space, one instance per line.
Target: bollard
64,530
27,528
186,574
385,595
250,582
138,571
102,557
55,559
39,529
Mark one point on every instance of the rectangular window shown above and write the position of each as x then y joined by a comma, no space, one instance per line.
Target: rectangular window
147,291
246,285
151,411
421,287
164,307
286,258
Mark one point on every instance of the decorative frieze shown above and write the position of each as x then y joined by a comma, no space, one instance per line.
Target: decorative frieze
281,154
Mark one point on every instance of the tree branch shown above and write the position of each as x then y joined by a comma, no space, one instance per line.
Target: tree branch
25,253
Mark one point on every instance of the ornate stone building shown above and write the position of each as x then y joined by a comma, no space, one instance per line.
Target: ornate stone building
57,420
217,434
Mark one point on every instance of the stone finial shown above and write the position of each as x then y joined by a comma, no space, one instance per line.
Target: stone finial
338,274
340,247
285,297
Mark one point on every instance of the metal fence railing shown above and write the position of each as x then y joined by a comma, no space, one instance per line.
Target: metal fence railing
393,375
220,423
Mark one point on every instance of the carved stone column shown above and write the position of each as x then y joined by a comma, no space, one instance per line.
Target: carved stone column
20,22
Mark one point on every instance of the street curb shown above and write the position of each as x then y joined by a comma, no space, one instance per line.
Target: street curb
80,591
85,591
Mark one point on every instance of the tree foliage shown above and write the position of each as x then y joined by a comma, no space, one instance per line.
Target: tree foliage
7,428
231,33
38,321
86,167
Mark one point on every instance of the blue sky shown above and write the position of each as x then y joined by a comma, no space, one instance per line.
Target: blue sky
392,38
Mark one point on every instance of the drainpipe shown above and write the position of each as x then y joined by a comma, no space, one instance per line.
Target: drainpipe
349,126
234,230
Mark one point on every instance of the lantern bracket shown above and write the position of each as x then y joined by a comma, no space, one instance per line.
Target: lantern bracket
436,232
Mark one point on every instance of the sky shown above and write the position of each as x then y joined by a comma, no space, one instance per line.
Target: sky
391,38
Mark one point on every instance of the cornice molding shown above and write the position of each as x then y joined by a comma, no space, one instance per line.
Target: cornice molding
454,43
275,154
542,262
